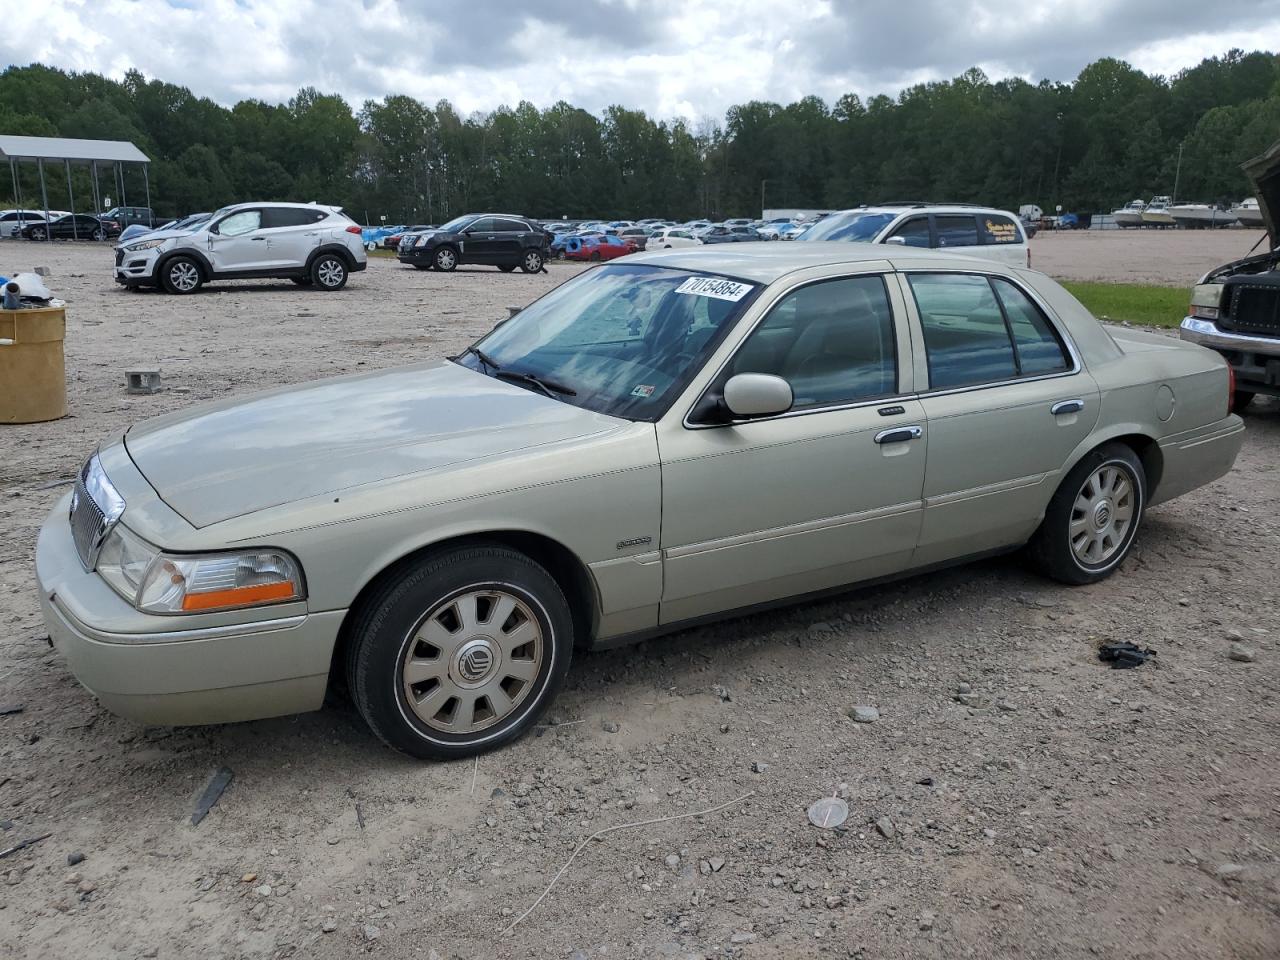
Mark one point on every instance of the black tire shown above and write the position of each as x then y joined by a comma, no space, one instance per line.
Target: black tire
531,262
99,234
181,276
1051,548
1241,399
301,281
389,626
445,259
506,267
329,272
595,255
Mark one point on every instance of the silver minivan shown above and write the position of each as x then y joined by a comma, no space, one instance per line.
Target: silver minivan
952,228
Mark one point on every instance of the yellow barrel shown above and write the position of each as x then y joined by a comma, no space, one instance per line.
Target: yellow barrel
33,373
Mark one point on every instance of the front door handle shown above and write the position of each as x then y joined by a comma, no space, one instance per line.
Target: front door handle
899,434
1067,406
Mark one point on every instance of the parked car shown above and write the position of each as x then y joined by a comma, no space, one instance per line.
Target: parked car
974,231
12,221
310,244
74,226
502,240
392,240
1235,308
637,235
653,443
672,237
136,230
598,247
372,237
127,216
728,234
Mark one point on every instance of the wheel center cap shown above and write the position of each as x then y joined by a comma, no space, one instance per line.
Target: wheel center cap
475,662
1102,515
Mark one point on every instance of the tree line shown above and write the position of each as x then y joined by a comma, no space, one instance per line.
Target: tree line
1113,134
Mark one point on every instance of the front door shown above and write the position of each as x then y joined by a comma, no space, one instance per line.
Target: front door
1007,403
825,495
240,244
481,244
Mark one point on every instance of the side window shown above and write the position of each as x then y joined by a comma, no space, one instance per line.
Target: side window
914,233
511,226
246,221
832,341
290,217
965,338
998,229
1039,350
956,231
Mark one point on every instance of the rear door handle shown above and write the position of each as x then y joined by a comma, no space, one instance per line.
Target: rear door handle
1067,406
899,435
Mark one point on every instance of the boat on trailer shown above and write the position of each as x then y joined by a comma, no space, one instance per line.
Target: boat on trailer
1130,215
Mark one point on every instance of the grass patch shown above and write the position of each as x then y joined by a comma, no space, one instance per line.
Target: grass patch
1134,302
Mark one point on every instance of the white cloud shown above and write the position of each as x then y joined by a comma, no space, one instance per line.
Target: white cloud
668,57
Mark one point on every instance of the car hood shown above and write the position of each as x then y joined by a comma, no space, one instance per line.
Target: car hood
1264,172
235,457
157,235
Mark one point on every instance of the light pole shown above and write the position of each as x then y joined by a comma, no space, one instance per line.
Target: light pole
762,183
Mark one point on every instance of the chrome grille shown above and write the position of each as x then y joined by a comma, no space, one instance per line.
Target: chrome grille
88,525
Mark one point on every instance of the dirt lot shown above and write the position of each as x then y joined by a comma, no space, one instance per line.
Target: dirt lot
1175,258
1070,811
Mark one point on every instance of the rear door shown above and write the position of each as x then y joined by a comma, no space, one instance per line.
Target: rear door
1003,239
292,234
1007,401
509,244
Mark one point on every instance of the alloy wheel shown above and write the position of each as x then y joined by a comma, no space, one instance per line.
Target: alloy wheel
1102,515
472,661
330,272
184,276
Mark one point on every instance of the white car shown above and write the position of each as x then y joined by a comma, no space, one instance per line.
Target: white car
672,237
952,228
310,244
12,221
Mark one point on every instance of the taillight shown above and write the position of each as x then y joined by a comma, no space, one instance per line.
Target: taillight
1231,388
353,229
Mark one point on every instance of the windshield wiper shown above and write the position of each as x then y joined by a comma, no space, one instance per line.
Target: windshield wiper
483,357
549,387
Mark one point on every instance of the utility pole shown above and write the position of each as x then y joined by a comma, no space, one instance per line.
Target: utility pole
762,183
1177,174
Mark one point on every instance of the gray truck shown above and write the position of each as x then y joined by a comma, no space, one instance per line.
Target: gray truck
1235,308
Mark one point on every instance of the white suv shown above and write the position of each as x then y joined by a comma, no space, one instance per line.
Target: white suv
953,228
311,245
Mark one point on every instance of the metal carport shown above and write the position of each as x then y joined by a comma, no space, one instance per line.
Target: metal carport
38,150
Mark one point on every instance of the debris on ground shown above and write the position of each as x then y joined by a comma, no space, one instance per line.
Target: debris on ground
828,813
23,844
1124,656
212,792
8,709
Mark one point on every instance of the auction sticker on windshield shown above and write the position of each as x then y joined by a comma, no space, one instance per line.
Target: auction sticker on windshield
717,287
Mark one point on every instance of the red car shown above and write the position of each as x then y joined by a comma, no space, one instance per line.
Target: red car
598,248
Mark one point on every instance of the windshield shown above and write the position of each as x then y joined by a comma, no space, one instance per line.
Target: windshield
457,223
624,338
858,227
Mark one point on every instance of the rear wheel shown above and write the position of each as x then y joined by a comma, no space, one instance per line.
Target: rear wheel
460,653
446,259
532,262
99,234
595,255
181,275
1091,522
38,233
329,272
1241,399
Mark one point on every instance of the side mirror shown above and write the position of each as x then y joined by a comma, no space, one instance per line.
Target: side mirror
213,228
757,395
898,241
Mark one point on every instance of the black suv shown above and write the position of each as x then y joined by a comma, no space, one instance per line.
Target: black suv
500,240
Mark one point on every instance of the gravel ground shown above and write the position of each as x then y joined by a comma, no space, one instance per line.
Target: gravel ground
1058,809
1176,258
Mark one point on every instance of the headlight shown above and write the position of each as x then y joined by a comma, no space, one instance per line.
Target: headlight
422,240
146,245
156,582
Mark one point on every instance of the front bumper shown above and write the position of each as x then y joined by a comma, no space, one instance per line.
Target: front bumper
167,670
1255,359
136,268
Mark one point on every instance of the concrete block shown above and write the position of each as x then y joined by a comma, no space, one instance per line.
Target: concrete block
144,380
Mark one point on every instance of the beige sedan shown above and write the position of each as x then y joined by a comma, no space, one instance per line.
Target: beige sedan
680,436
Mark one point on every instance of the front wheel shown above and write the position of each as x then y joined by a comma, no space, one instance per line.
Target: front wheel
329,272
460,653
1091,522
445,259
38,233
181,275
532,262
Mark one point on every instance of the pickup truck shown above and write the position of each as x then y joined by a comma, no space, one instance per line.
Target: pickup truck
1235,308
127,216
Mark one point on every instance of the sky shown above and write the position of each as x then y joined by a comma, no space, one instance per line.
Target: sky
671,58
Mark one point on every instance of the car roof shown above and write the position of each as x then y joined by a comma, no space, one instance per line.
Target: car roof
331,208
767,262
918,208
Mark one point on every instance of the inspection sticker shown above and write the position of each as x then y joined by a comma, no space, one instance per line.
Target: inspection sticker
643,390
716,287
